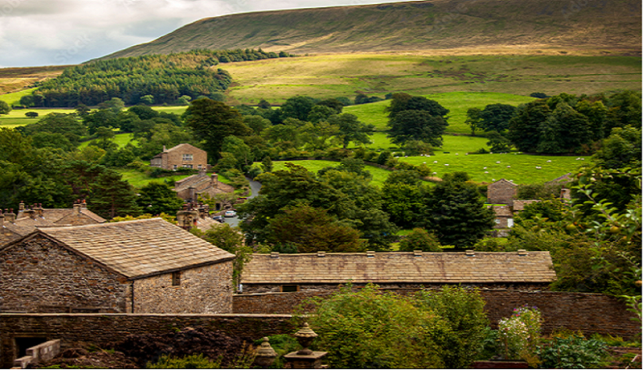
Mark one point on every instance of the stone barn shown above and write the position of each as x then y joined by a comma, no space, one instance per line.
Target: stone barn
142,266
502,192
325,271
181,156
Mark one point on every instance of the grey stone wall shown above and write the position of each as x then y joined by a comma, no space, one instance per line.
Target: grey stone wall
103,330
38,275
277,288
206,289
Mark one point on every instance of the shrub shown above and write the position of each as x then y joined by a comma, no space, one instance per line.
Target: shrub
464,313
420,239
520,334
188,362
369,329
572,353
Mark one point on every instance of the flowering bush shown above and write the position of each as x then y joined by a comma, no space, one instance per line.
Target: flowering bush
520,333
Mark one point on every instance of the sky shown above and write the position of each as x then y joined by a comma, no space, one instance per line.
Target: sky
59,32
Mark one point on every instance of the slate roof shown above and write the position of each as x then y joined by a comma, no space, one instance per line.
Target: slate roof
502,181
502,211
400,267
139,248
56,215
519,205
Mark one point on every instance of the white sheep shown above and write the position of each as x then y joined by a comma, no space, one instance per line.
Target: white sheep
497,162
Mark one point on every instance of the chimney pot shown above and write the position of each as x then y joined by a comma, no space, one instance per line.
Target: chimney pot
21,207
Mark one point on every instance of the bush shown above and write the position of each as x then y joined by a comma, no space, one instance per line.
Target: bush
369,329
420,239
464,313
572,353
520,334
188,362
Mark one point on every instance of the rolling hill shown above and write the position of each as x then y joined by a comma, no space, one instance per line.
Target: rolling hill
480,26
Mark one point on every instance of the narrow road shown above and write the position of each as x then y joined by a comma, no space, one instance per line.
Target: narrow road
255,186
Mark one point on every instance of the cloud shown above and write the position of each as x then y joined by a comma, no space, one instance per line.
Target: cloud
47,32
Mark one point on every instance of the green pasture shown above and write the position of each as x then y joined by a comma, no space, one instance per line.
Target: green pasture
120,139
14,97
138,179
17,117
456,102
379,174
520,168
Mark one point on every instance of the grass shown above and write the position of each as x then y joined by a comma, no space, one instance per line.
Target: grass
139,180
325,76
379,174
120,139
17,117
14,97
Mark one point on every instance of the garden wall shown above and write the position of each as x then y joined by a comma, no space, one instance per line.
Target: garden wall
590,313
104,329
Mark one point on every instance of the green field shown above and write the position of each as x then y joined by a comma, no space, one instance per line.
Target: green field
12,98
456,102
120,139
326,76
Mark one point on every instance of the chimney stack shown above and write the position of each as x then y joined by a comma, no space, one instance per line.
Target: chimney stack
39,210
1,219
21,207
76,210
9,216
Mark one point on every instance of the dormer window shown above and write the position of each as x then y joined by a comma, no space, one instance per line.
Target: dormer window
187,157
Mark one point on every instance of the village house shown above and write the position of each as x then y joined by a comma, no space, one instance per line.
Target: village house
325,271
502,192
14,226
181,156
191,187
141,266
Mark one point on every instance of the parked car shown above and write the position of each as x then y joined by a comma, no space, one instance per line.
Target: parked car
230,214
218,218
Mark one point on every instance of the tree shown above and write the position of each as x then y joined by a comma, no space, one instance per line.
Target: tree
564,131
156,198
496,117
257,123
239,150
213,121
416,125
112,196
473,119
266,164
311,230
31,114
455,212
350,129
115,105
525,125
4,107
297,107
320,113
82,110
147,99
621,149
498,143
403,102
263,104
420,239
337,105
143,112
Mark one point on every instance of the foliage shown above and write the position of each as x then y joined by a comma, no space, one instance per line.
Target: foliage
520,334
572,353
416,125
111,196
369,329
157,198
473,119
466,318
231,240
350,129
498,143
495,117
4,107
420,239
188,362
311,230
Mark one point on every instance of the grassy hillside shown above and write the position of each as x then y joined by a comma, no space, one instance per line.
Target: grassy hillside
326,76
592,26
17,79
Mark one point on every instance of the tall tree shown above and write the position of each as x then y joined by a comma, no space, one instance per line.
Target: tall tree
350,129
156,198
420,125
213,121
473,119
524,126
496,117
4,107
112,196
564,131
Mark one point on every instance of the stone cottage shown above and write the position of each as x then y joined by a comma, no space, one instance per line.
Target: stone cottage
141,266
181,156
191,187
325,271
502,192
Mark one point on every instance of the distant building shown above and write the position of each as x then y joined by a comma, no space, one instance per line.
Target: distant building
181,156
141,266
502,192
191,187
325,271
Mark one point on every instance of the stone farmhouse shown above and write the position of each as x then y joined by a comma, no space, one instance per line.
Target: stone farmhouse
191,187
181,156
141,266
325,271
502,192
14,226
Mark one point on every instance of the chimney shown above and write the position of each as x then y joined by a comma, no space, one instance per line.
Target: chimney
321,254
39,210
470,253
9,216
370,254
21,207
522,252
215,180
76,210
1,219
186,218
83,204
30,213
274,254
164,148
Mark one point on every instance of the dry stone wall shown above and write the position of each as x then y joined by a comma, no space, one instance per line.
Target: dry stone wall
590,313
103,330
206,289
38,275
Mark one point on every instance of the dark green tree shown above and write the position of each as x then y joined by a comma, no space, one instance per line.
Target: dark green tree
337,105
4,107
497,142
420,239
416,125
143,112
156,198
320,113
31,114
266,164
297,107
455,212
473,119
496,117
350,129
524,127
263,104
564,131
213,121
112,196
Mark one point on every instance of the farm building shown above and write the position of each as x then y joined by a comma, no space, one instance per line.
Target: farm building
325,271
142,266
181,156
502,192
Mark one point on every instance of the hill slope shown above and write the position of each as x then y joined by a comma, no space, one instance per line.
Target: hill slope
591,25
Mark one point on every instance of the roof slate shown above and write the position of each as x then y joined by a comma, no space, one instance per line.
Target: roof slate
139,248
400,267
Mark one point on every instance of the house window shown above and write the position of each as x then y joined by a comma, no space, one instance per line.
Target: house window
176,278
510,222
187,166
187,157
175,167
289,288
497,221
199,166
